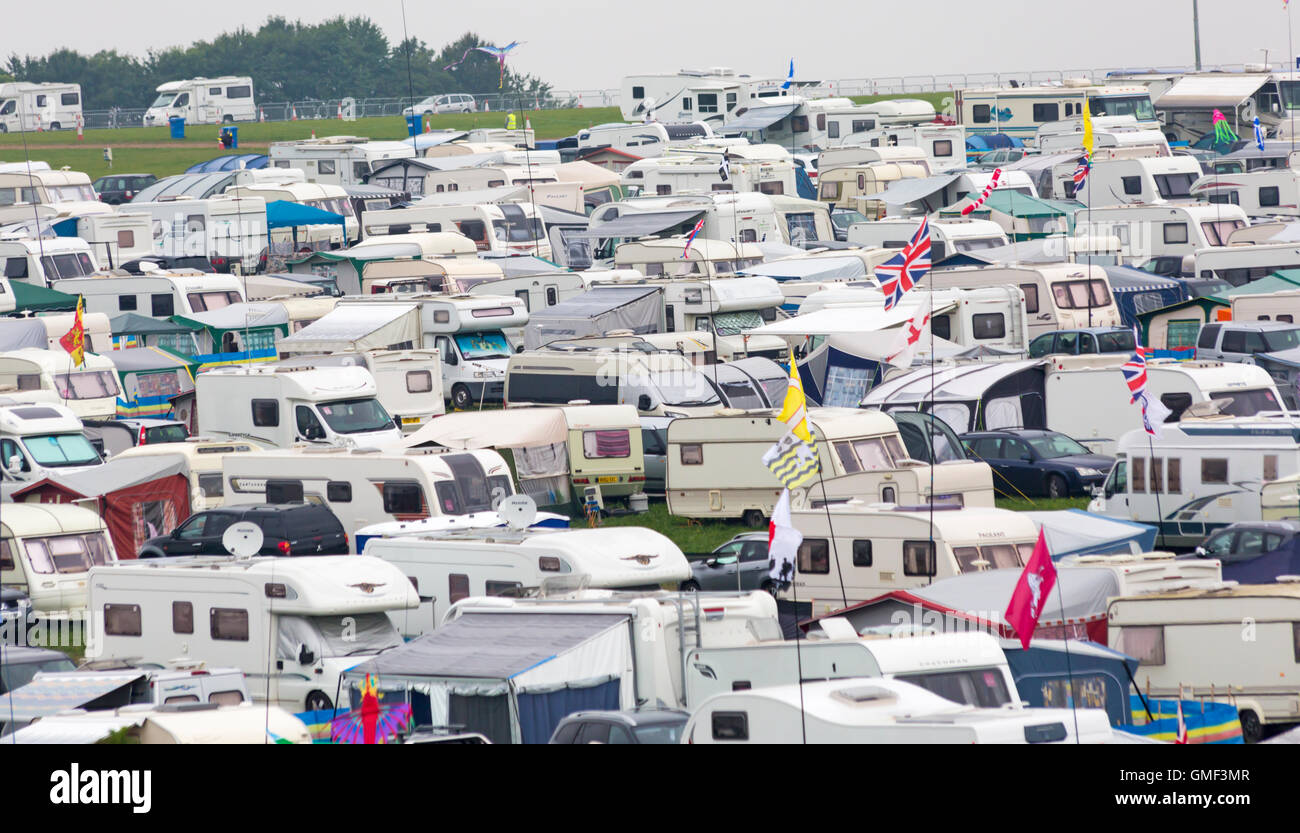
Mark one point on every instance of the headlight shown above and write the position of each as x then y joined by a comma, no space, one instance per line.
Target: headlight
1084,471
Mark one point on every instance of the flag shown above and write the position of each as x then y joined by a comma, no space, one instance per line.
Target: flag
789,78
1182,724
686,250
1154,411
724,169
909,338
794,410
905,269
74,340
1259,135
1087,130
783,541
793,458
1081,172
1035,584
1223,132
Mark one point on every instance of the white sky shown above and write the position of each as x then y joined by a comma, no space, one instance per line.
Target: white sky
590,44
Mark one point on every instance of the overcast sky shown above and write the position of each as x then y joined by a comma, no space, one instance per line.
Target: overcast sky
589,44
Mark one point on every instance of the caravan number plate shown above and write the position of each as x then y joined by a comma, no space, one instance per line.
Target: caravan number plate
607,479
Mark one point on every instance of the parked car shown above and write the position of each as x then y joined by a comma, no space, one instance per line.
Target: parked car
1003,156
111,436
450,103
1088,340
746,553
21,664
1034,462
630,726
116,189
841,219
654,444
288,529
1273,345
164,263
1254,552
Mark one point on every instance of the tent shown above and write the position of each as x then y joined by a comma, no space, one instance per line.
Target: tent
237,333
1053,673
1024,217
138,497
130,329
149,377
286,214
350,328
1072,532
48,694
971,397
1136,292
28,297
197,185
597,312
1206,721
511,676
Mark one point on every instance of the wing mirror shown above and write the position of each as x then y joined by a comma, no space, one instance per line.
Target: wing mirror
643,403
15,463
305,655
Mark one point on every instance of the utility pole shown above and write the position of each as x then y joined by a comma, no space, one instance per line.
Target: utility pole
1196,31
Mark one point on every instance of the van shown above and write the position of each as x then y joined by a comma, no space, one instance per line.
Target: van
315,615
42,438
226,230
408,383
1058,296
657,384
35,107
89,391
47,549
512,228
44,262
223,100
158,294
203,458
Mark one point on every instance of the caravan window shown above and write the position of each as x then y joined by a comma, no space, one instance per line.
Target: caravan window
325,166
610,443
918,558
708,102
1031,297
988,325
122,620
1175,186
228,624
1174,475
942,148
419,381
1214,470
1175,232
1270,467
182,617
408,499
980,114
89,384
1132,185
163,306
1145,644
457,587
1139,479
1269,197
1047,112
730,725
66,553
239,92
266,413
205,301
861,553
1157,470
832,128
815,556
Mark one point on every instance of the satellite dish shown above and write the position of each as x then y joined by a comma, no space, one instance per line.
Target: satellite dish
243,539
517,511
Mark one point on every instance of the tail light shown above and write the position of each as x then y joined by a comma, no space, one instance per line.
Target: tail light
284,547
140,439
582,480
261,260
636,478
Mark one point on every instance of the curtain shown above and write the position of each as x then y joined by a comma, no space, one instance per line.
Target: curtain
539,714
488,715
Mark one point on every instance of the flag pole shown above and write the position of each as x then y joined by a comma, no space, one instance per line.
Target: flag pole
1069,668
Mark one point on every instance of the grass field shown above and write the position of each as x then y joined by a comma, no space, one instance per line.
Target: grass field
689,535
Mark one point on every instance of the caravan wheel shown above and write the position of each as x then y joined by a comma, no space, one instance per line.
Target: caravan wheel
318,701
461,397
753,519
1251,730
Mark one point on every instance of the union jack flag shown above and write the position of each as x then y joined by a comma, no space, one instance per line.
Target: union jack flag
1135,376
686,252
905,269
1081,172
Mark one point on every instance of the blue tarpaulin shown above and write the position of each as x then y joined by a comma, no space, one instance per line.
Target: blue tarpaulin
285,214
539,714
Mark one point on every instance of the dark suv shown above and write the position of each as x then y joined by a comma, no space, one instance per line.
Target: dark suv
116,189
288,529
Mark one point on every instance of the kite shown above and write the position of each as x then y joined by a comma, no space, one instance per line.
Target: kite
1223,132
372,722
498,51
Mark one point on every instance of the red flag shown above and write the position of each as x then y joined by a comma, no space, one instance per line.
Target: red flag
74,340
1031,592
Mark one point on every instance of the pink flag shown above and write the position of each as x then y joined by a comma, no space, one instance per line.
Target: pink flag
1031,592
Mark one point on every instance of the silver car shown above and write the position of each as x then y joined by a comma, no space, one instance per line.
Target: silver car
450,103
740,564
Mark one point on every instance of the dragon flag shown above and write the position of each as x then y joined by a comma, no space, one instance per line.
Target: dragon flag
371,722
74,340
793,459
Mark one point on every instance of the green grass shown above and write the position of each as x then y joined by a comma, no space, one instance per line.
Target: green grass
937,99
1041,504
689,535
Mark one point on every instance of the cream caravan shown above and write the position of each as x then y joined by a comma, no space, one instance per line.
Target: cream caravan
1142,181
943,146
204,101
512,228
89,390
1147,231
203,458
948,236
1262,193
1058,296
274,186
338,160
767,169
52,192
657,383
857,186
47,549
224,229
45,262
670,257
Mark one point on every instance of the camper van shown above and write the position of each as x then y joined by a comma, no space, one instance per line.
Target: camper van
257,402
1227,460
642,140
1148,231
1108,133
46,550
715,466
736,217
42,438
157,295
337,160
313,615
62,192
948,236
203,458
89,390
402,264
1148,181
226,230
204,101
44,262
513,228
35,107
1262,193
365,486
499,562
408,383
698,170
709,95
1058,296
1020,111
1191,645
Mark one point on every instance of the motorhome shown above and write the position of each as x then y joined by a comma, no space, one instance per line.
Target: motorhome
737,217
276,186
46,550
467,331
408,383
89,390
501,562
257,402
1148,231
699,170
227,230
1020,111
670,257
203,458
715,466
315,615
338,160
402,263
41,438
32,107
158,294
44,262
1058,296
1261,193
943,146
709,95
1228,461
221,100
643,140
545,289
858,156
1146,181
365,486
1190,645
948,236
657,383
1239,265
513,228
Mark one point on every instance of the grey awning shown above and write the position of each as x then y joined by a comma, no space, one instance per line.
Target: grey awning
54,692
810,269
640,225
353,327
758,118
905,191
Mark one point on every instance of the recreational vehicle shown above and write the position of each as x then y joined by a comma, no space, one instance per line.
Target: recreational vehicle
697,170
1058,296
857,187
42,438
1146,181
46,550
307,618
53,193
203,458
414,262
1148,231
55,325
657,383
737,217
408,383
115,238
338,160
513,228
1239,265
1020,111
948,236
324,196
258,402
670,257
844,125
221,100
227,230
158,294
44,262
643,140
89,390
34,107
1108,133
500,562
1261,193
709,95
1281,306
943,146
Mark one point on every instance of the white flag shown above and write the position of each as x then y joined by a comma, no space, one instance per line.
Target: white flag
909,338
724,170
783,541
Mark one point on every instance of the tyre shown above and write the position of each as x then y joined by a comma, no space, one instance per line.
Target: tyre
150,553
753,518
54,125
1251,729
1056,486
461,398
227,119
690,586
318,701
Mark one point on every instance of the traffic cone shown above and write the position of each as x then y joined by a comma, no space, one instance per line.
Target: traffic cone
40,128
80,136
579,101
261,114
340,111
313,133
294,111
528,123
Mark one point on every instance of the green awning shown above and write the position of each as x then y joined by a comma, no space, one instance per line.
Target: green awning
29,297
1007,201
1287,280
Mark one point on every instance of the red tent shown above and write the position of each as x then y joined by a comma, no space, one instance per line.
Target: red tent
137,498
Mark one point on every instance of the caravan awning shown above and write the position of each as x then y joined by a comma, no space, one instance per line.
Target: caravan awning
351,327
51,693
906,191
640,225
28,297
1225,91
811,269
842,321
285,214
758,118
513,428
261,287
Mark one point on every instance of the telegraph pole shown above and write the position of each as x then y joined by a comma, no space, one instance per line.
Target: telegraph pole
1196,31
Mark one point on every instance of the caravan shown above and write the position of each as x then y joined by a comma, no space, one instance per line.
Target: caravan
513,228
408,382
33,107
203,458
337,160
156,294
89,390
657,383
204,101
1146,181
226,230
1058,296
46,550
948,235
44,262
1261,193
1020,111
1151,231
641,140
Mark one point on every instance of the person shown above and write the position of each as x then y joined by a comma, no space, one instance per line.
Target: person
511,123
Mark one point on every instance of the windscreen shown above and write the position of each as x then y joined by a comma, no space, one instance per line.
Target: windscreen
55,450
486,345
354,416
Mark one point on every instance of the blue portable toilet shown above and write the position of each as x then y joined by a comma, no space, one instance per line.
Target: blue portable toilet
230,137
178,127
413,125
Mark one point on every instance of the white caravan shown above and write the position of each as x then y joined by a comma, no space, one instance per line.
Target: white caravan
1147,181
408,383
46,550
1058,296
670,257
1020,111
1240,265
115,238
699,171
44,262
608,373
1263,193
737,217
843,124
203,458
41,438
204,101
1147,231
31,192
948,236
942,145
33,107
1199,475
224,229
1234,644
294,624
279,405
338,160
641,140
157,294
504,229
709,95
325,196
501,562
89,390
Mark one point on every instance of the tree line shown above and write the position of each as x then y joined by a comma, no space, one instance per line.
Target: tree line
288,61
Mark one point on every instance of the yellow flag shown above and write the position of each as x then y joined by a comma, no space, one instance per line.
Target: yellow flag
794,412
1087,129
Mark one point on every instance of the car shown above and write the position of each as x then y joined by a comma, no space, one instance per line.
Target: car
111,436
628,726
1028,462
841,219
1254,552
116,189
21,664
745,554
287,529
450,103
152,263
1087,340
1002,156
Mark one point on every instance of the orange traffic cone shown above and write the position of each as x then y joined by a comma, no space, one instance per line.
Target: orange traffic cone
340,111
313,133
80,136
294,111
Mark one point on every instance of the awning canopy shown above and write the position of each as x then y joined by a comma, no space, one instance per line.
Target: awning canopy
842,321
261,287
512,428
1010,201
640,225
239,316
596,312
906,191
1084,592
945,384
758,118
132,323
1224,91
51,693
115,475
1075,532
811,269
28,297
285,214
134,359
354,327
